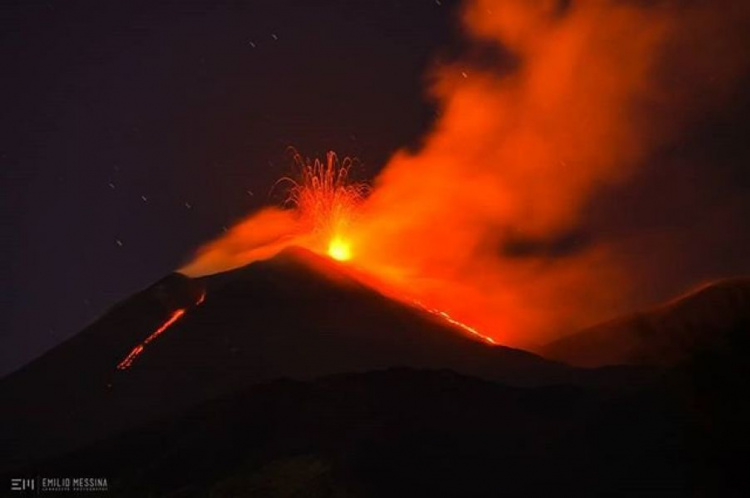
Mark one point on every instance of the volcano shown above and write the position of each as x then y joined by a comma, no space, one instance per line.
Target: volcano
290,373
297,315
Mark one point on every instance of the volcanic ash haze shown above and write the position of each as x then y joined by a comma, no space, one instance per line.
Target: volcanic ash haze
481,221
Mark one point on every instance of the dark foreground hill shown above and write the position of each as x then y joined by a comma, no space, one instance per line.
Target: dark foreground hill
405,432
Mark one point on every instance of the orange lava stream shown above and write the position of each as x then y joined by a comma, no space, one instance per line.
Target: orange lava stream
446,317
176,315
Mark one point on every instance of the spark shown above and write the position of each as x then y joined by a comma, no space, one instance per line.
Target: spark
201,299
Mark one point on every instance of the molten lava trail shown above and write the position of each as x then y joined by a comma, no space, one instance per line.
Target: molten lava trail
176,315
456,323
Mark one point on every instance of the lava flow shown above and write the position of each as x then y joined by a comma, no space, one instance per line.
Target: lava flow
136,351
443,315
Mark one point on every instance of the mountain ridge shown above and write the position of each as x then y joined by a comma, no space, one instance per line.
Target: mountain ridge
294,316
664,335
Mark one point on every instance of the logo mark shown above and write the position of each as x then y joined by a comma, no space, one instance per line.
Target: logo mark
21,484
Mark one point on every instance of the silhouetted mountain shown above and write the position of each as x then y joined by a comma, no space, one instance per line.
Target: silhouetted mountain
671,334
405,432
297,316
289,377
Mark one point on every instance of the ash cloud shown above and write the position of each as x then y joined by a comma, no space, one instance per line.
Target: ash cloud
593,94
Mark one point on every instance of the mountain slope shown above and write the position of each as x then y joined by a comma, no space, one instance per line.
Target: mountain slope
703,320
295,316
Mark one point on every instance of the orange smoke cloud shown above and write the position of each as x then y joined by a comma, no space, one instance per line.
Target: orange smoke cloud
260,236
483,220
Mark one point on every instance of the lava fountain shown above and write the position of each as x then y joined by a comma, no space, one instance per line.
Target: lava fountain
326,200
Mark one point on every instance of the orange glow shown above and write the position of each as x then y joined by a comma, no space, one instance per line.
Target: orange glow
339,249
472,220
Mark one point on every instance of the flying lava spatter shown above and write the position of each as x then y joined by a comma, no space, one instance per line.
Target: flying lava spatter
326,199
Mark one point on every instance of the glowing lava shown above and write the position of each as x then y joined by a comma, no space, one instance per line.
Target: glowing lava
136,351
339,249
446,317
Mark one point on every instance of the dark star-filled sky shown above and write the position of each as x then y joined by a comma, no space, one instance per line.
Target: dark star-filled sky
133,132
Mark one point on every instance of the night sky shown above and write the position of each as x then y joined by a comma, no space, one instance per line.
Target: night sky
133,132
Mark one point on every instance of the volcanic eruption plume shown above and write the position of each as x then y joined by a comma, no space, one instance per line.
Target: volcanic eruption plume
326,200
484,220
322,204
